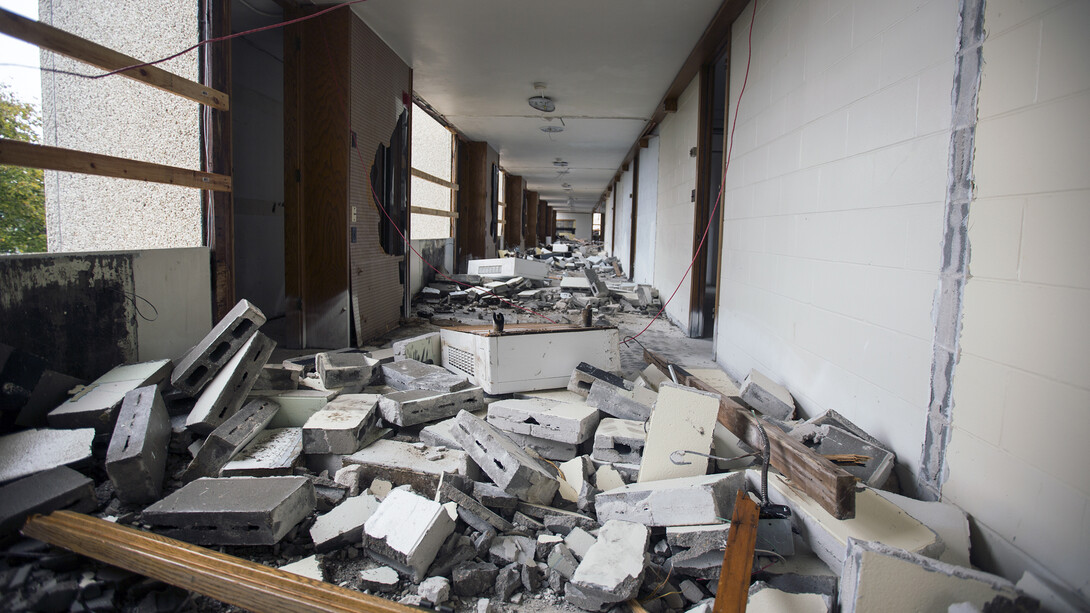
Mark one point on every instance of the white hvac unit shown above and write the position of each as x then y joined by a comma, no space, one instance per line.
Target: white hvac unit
510,268
527,357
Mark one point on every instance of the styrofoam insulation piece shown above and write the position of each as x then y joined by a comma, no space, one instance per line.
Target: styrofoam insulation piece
947,520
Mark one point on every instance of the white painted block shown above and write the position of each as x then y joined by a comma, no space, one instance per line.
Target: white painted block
344,524
509,267
683,419
558,421
408,530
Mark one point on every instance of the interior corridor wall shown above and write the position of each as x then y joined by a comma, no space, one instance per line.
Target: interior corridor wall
674,210
646,212
582,221
833,207
1017,456
623,237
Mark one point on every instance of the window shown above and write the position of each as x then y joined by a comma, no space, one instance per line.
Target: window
432,184
501,187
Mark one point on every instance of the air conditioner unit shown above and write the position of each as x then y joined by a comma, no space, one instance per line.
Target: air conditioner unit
509,268
527,357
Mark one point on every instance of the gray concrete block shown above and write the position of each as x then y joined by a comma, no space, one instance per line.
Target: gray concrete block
562,422
411,407
137,456
704,499
229,438
345,369
207,357
701,538
613,568
584,375
579,541
30,451
619,440
274,452
411,374
550,450
407,531
340,427
562,560
618,401
44,492
435,590
96,405
427,348
767,396
597,286
467,503
223,396
379,579
413,464
492,496
472,578
512,549
233,510
832,440
439,434
504,461
344,524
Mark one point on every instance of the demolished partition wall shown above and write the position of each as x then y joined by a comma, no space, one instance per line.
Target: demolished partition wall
475,227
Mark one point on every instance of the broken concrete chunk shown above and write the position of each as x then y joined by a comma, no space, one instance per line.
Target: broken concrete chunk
30,451
96,405
832,440
411,407
683,420
233,510
47,491
619,440
620,402
947,520
438,434
703,538
563,561
205,359
426,348
296,406
503,461
558,521
472,578
607,478
767,396
766,599
277,377
512,549
546,419
339,427
435,590
704,499
492,496
653,377
579,541
575,483
467,503
411,374
407,463
137,457
585,375
344,369
613,567
307,567
407,531
379,579
223,396
344,524
550,450
273,453
229,438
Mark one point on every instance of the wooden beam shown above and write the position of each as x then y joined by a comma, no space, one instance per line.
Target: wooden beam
59,41
419,210
232,580
434,179
216,134
19,153
645,142
832,487
732,594
669,105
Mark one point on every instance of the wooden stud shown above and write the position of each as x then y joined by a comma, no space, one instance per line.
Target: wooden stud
645,142
419,210
732,594
669,105
434,179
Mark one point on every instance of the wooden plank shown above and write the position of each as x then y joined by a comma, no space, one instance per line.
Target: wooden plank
232,580
59,41
219,207
419,210
832,487
19,153
732,594
416,172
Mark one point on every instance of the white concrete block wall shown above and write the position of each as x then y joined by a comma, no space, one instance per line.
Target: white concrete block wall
674,215
647,213
833,206
623,238
1018,452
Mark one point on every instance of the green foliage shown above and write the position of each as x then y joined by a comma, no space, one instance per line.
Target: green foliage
22,192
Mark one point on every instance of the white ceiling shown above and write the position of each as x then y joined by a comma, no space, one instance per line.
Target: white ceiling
607,64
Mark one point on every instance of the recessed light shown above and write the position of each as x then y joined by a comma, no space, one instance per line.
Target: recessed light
544,104
552,129
560,163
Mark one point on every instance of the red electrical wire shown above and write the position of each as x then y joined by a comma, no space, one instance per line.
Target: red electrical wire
718,198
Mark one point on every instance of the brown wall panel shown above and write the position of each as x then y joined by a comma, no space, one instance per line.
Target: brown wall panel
529,226
474,239
516,200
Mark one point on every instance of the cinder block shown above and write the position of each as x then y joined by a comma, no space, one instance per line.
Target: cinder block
406,531
411,407
273,452
411,374
229,438
584,375
233,510
597,286
653,377
344,524
448,492
50,490
296,406
546,419
705,499
345,369
339,427
439,434
137,457
277,377
619,440
205,359
701,538
227,391
411,464
503,461
30,451
684,419
96,405
831,440
427,348
550,450
767,396
575,482
613,568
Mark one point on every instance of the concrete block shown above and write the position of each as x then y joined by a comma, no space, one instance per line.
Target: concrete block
613,568
832,418
30,451
512,549
684,419
296,406
633,404
272,453
545,419
944,519
767,396
550,450
344,524
503,461
277,377
766,599
345,369
414,464
559,521
468,504
570,282
379,579
406,531
207,357
307,567
712,537
562,560
472,578
438,434
829,440
597,286
619,440
653,377
426,348
137,457
545,544
579,541
96,405
44,492
704,499
877,576
584,376
223,396
560,395
339,427
233,510
411,407
229,438
575,482
435,590
492,496
607,478
411,374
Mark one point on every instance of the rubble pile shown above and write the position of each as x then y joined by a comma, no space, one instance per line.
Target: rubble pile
384,472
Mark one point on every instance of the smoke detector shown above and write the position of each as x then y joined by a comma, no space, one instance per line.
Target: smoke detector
541,102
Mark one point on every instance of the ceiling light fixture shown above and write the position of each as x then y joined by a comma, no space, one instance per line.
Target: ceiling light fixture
552,129
541,102
559,163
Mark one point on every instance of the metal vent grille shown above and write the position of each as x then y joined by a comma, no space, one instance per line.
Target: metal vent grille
460,359
490,270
